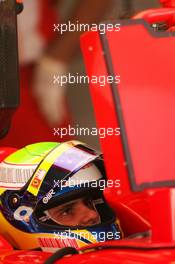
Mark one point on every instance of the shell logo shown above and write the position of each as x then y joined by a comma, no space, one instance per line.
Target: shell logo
36,182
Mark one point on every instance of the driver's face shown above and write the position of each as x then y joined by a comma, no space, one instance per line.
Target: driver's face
80,212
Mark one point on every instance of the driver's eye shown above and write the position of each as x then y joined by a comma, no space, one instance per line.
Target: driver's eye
89,203
66,211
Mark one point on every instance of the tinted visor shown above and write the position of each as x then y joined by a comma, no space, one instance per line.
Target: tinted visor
66,166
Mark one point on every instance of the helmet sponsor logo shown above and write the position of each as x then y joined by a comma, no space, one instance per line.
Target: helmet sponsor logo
57,243
48,196
15,176
38,178
23,213
36,182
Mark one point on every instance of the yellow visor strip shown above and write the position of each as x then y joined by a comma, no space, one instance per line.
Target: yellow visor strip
46,164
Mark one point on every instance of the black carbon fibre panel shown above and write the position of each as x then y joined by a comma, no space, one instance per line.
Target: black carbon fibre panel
9,75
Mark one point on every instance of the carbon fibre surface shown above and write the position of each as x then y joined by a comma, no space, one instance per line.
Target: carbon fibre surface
9,75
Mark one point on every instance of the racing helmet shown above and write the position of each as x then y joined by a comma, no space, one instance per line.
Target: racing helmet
51,196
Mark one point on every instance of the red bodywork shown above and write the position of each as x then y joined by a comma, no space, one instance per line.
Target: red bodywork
122,252
142,105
